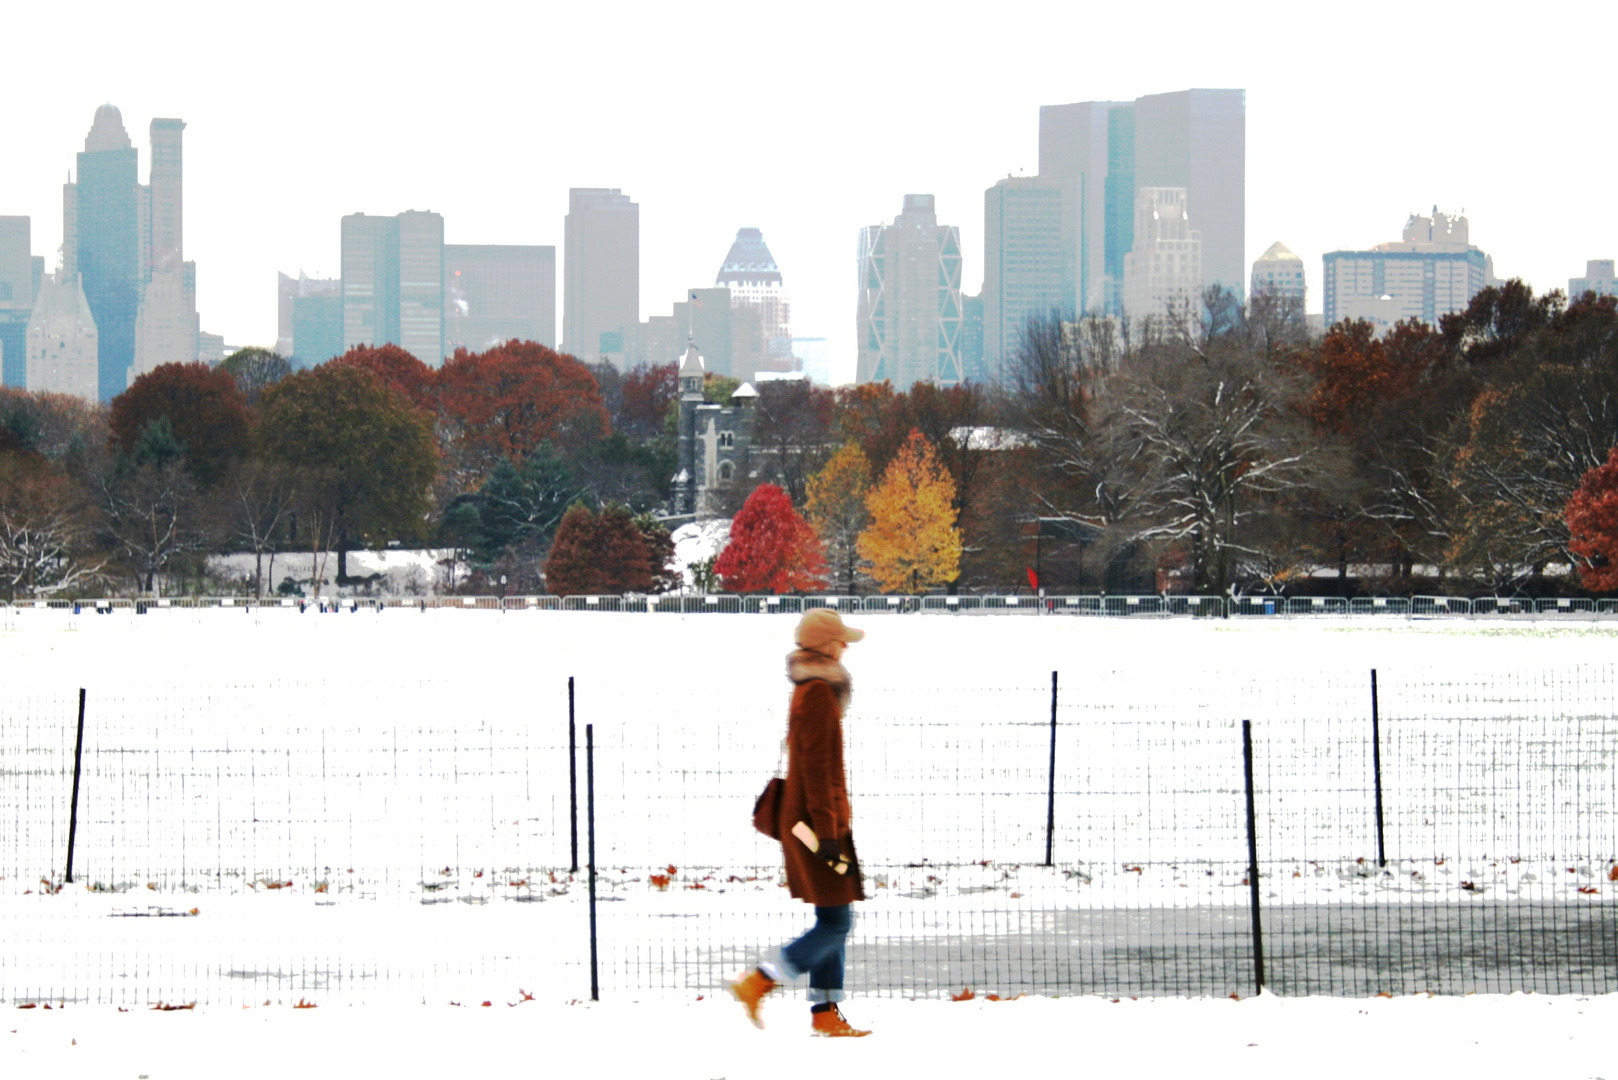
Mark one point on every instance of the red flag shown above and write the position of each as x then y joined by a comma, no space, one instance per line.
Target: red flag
1033,579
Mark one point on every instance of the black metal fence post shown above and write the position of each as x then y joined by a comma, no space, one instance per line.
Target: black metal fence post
1050,792
1252,858
572,778
1376,773
73,811
590,810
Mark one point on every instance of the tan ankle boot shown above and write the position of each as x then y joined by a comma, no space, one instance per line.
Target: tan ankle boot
831,1024
750,990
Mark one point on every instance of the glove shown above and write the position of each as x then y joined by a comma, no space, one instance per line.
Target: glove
833,853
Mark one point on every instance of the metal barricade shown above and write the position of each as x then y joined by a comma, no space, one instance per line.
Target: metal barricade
1317,605
1607,607
952,603
893,605
1502,605
772,605
840,603
1440,605
1202,607
531,603
1379,605
1565,605
602,603
1257,605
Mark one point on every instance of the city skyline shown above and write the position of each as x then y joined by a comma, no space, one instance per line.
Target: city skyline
1323,172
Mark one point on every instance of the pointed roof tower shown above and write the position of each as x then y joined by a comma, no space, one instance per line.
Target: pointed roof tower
749,261
1278,250
107,132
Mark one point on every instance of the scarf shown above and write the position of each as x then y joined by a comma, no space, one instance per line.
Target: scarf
806,664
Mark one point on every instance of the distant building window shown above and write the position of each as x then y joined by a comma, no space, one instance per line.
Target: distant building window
727,440
726,471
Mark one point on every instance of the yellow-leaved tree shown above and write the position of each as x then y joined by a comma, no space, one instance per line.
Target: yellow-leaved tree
912,542
836,508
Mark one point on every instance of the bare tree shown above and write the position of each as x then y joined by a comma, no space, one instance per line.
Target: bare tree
44,530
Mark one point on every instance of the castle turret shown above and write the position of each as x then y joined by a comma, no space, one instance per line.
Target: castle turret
692,373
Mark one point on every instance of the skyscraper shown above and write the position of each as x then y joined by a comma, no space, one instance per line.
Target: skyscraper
1432,270
1197,140
1163,272
750,273
908,323
496,292
421,285
1103,152
1280,273
166,321
288,292
601,274
1025,264
101,243
16,298
1598,278
370,269
63,356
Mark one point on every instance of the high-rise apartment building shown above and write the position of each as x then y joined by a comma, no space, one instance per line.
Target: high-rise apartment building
908,323
1278,272
63,351
754,280
1103,152
601,274
16,298
1163,276
496,292
1598,278
370,275
1432,270
1025,268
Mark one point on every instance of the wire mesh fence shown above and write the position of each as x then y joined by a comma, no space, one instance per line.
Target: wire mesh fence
410,834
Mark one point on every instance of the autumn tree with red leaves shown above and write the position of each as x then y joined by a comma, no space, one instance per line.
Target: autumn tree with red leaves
1592,522
610,552
772,549
394,368
500,405
206,414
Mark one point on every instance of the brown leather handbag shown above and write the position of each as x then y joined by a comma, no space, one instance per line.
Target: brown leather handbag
767,808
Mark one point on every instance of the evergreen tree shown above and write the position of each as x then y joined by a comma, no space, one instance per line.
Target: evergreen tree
771,549
912,542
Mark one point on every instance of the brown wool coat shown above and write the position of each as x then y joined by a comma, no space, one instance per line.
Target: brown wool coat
816,788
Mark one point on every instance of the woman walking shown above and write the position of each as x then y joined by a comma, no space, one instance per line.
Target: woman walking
814,827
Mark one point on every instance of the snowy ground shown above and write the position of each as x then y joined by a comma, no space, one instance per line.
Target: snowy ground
371,807
1261,1038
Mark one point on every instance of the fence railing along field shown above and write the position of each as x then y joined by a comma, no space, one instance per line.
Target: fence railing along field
410,832
1152,605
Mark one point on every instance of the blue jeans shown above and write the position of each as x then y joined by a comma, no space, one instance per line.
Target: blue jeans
820,952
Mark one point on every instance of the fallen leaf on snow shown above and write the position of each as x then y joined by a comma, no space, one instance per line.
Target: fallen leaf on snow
965,995
660,882
302,1004
160,1007
522,996
1588,889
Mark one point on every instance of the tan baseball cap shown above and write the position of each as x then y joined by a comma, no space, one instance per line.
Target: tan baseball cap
821,626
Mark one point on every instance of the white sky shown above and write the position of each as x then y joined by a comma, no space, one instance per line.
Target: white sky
806,121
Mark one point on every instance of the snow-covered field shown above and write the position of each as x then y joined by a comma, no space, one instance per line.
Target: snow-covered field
374,807
1264,1038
